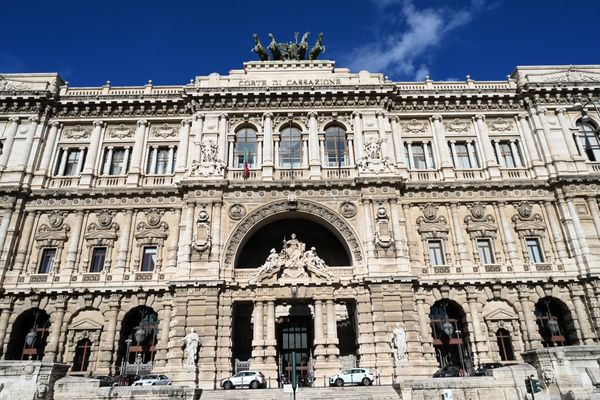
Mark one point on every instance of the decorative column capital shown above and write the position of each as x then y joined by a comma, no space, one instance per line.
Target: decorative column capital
541,111
312,114
186,122
14,119
142,122
560,110
34,119
394,119
268,115
523,116
480,117
54,124
356,114
436,117
98,123
379,114
223,116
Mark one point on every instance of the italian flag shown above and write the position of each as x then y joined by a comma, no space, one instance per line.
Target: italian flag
246,169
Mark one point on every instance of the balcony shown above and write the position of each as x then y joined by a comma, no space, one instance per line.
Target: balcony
594,166
423,175
469,174
338,173
110,181
515,173
63,181
238,175
157,180
291,174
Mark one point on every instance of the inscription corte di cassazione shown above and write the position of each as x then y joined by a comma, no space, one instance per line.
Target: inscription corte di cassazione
290,82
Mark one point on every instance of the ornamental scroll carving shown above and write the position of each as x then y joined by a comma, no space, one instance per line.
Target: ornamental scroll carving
373,161
102,233
164,131
298,205
77,132
120,132
383,234
202,238
53,234
152,232
499,125
209,164
414,126
457,126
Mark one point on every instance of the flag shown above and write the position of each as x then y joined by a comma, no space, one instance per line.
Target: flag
246,169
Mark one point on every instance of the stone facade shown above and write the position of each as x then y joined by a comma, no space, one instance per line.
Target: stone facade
464,212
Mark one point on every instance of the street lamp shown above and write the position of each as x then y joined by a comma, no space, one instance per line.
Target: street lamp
126,357
551,323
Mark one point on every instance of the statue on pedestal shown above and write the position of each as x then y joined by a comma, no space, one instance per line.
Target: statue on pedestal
399,342
192,341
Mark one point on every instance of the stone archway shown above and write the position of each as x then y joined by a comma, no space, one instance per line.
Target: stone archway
325,216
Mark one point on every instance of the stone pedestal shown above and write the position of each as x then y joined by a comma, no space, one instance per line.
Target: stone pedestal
29,380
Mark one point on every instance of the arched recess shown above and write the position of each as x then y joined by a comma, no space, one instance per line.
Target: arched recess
555,323
138,339
501,317
29,336
85,324
292,209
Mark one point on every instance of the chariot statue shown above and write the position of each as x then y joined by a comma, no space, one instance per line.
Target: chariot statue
296,50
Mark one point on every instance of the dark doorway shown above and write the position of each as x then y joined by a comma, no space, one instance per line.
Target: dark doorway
328,246
450,336
295,334
555,323
242,331
29,336
139,335
346,330
81,360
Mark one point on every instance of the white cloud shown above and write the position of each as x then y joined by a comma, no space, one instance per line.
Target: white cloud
400,49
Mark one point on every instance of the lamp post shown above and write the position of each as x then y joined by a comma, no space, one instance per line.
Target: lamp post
460,352
30,339
126,357
551,324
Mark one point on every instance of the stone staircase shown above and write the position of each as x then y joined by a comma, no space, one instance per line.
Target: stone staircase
345,393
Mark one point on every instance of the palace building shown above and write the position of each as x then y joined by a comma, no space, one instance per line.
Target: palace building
295,206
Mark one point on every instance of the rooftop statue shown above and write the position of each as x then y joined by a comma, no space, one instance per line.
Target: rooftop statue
296,50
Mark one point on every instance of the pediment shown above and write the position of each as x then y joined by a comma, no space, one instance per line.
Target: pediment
498,310
112,235
481,226
151,233
433,227
51,235
500,314
86,324
529,225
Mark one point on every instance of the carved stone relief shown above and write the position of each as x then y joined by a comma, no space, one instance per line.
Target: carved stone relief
77,132
202,238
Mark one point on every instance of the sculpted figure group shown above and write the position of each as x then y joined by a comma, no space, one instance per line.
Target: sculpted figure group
296,50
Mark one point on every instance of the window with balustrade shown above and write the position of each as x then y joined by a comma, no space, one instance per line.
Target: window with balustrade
245,148
47,260
464,155
419,155
290,148
161,160
508,154
588,141
70,161
336,146
116,161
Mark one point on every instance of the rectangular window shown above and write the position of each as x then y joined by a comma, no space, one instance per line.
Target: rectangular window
419,155
161,160
47,260
116,161
436,253
534,250
507,154
149,258
464,155
486,255
70,162
98,259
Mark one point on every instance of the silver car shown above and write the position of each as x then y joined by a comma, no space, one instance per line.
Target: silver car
251,379
352,376
152,380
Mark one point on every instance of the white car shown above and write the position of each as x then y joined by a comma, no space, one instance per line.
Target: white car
352,376
152,380
252,379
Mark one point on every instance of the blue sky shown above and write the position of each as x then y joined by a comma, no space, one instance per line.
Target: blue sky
131,41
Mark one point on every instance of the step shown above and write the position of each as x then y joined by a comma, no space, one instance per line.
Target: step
346,393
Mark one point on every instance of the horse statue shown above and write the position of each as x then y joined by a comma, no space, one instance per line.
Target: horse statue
259,49
303,47
274,48
317,49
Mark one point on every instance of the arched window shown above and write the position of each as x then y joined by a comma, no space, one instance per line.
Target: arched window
137,344
555,323
450,336
505,346
290,148
29,336
587,138
336,147
81,361
245,148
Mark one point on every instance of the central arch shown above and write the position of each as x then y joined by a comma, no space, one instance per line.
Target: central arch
311,214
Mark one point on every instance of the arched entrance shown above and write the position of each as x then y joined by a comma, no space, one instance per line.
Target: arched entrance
137,343
29,336
555,323
451,336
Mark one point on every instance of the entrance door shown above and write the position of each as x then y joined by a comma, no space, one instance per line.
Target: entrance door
295,335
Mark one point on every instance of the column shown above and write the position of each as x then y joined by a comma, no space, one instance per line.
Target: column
163,341
426,339
368,217
591,201
153,155
48,147
429,163
174,245
332,339
553,145
271,343
499,152
557,236
136,155
185,244
223,138
313,139
107,161
585,249
531,337
73,246
319,337
358,138
566,131
6,216
399,231
90,161
478,339
26,150
215,251
454,158
268,141
324,159
397,141
488,159
170,160
51,351
511,248
258,338
23,248
471,151
107,343
124,242
411,159
586,334
528,138
80,160
259,151
385,152
63,161
196,131
351,161
412,241
10,134
182,150
516,153
461,246
4,317
442,145
231,144
305,152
